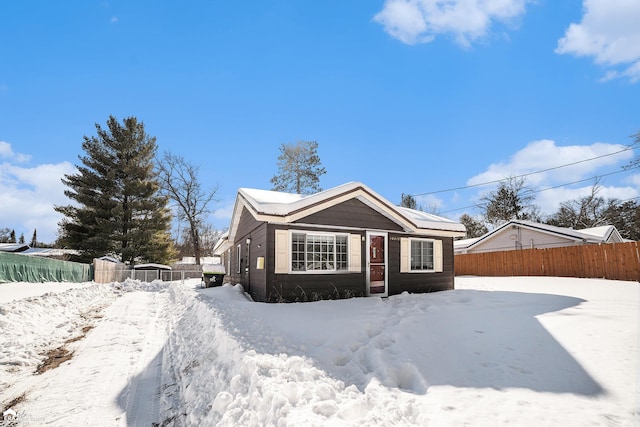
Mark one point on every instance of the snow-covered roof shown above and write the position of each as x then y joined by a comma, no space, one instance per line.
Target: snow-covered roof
279,207
110,259
222,244
607,233
151,266
191,260
50,252
602,234
464,243
593,235
13,247
427,220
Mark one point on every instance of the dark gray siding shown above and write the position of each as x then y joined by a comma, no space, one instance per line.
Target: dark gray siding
252,279
352,213
265,285
309,287
419,282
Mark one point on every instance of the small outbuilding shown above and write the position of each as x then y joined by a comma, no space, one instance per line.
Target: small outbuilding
13,247
342,242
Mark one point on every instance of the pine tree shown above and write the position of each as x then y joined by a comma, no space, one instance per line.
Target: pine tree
12,236
408,201
21,239
34,239
299,168
475,227
118,208
512,200
625,216
5,233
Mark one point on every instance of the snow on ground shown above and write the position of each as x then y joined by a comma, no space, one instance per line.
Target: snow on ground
495,351
19,290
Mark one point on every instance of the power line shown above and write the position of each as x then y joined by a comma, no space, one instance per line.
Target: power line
576,182
477,205
525,175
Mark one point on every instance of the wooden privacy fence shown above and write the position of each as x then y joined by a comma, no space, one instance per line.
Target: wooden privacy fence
616,261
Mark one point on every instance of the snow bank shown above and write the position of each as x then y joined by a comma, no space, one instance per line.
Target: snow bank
29,327
484,355
228,371
494,351
18,290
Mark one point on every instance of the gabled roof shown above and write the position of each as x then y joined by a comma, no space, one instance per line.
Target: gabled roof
222,244
151,266
50,252
603,234
282,208
13,247
607,233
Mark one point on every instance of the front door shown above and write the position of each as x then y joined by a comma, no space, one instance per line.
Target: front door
377,264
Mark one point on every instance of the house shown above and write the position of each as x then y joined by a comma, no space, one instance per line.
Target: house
342,242
521,234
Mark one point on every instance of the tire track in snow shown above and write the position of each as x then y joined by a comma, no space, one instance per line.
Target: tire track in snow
114,377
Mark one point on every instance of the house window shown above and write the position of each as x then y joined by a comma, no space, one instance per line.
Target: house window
319,252
422,255
238,258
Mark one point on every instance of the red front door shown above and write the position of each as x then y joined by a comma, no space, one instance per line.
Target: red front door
377,264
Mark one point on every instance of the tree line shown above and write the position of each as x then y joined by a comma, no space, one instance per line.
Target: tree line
512,200
8,235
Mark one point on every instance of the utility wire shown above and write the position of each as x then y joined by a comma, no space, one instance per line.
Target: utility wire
575,182
525,175
550,188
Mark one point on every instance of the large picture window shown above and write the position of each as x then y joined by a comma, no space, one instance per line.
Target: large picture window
422,255
319,252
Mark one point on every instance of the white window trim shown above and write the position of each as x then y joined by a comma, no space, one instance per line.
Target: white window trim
405,258
320,233
239,257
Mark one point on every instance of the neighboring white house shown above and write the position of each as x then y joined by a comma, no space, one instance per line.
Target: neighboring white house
520,234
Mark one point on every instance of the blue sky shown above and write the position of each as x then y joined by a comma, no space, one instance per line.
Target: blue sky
405,96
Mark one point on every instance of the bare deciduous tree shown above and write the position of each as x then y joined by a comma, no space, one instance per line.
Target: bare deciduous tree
179,181
585,212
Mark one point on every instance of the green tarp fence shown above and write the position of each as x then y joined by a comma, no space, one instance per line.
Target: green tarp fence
26,268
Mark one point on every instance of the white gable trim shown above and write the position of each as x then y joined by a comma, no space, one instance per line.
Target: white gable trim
302,208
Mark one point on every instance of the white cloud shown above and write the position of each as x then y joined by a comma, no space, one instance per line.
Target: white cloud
114,19
429,203
6,152
545,154
609,32
28,194
549,201
420,21
221,217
